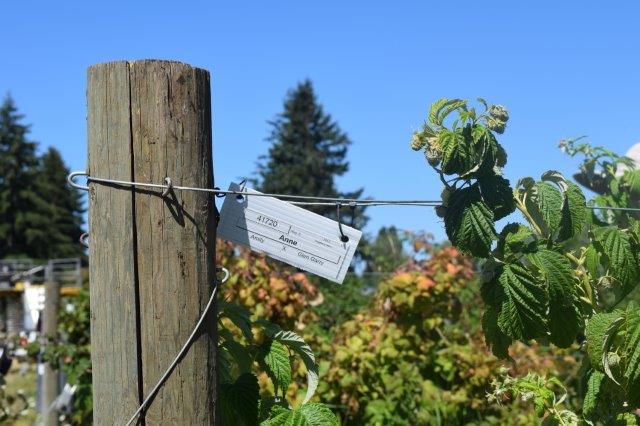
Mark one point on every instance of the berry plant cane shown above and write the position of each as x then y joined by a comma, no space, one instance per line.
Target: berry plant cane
562,276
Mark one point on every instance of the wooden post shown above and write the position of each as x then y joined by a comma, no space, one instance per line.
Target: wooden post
151,258
50,388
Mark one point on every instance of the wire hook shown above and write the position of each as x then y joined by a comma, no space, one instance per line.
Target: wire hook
242,185
225,271
84,239
353,205
168,188
343,237
73,184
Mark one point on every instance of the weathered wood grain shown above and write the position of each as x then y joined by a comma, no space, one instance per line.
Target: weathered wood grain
114,351
169,242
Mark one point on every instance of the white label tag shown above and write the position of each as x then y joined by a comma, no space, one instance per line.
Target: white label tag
288,233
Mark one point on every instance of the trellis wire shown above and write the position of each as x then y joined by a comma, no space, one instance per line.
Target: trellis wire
312,200
182,351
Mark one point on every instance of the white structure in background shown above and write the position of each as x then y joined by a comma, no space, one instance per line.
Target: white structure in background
634,154
33,302
22,289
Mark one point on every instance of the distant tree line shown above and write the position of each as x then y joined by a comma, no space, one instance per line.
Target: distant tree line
40,216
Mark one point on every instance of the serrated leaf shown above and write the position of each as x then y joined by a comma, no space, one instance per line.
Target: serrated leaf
497,195
565,319
224,366
271,406
239,353
631,179
627,419
592,261
300,347
276,363
549,202
543,202
594,385
494,337
555,177
632,354
524,304
239,316
440,109
615,246
448,108
574,212
607,348
493,154
435,108
595,335
515,240
457,154
469,222
238,401
307,415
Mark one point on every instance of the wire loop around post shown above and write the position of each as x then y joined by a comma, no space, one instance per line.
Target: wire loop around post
73,184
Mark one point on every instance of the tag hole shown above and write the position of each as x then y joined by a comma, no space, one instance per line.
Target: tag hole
239,199
344,238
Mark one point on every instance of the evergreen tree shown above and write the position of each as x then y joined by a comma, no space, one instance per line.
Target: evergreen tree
24,216
386,252
308,150
66,221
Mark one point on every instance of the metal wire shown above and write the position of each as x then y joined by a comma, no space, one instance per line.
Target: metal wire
182,351
629,209
313,200
309,200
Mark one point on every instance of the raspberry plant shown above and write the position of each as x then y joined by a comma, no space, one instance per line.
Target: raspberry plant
564,275
259,359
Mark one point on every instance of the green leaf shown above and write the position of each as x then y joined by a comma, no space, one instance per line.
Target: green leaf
627,419
238,401
224,366
276,363
523,305
632,354
595,334
435,108
565,319
469,222
239,353
494,337
457,154
497,195
574,212
271,406
300,347
494,153
632,181
543,202
239,316
615,246
515,240
592,261
442,108
306,415
549,202
594,385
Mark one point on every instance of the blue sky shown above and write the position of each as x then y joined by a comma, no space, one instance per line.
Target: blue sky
563,69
